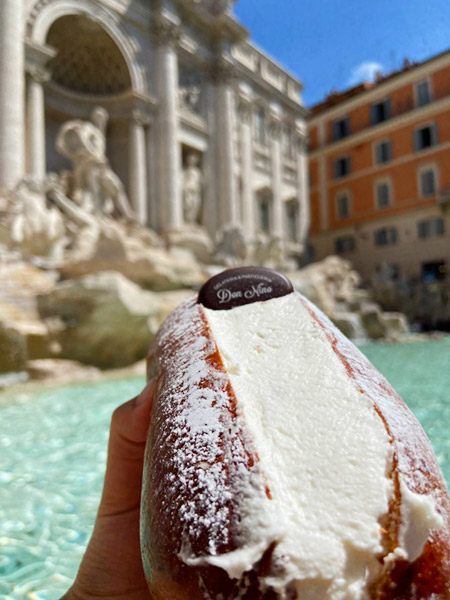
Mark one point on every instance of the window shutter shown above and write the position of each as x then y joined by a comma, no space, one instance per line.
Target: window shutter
335,131
387,109
440,227
389,150
416,140
379,153
347,125
434,134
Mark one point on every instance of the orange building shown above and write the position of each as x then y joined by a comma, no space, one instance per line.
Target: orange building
379,173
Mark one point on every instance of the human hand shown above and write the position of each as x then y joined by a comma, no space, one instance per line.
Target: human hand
112,566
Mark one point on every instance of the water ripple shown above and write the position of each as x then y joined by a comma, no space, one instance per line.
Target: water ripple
53,448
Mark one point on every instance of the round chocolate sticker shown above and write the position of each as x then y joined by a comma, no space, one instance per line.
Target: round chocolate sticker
236,287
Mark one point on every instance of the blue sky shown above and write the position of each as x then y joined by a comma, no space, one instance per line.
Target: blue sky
337,43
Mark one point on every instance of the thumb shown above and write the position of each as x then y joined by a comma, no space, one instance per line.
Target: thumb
123,478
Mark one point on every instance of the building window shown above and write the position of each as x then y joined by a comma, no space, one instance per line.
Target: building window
383,194
291,212
342,166
288,142
423,93
341,129
343,205
264,211
427,182
388,271
431,228
387,236
260,126
434,271
380,111
344,244
425,137
383,152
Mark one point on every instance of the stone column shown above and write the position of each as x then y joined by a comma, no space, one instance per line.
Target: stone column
166,34
153,216
138,165
11,92
277,174
246,139
225,151
323,193
36,151
304,213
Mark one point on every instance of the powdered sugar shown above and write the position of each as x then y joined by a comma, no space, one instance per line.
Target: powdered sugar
202,457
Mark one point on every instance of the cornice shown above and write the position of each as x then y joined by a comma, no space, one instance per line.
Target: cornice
381,171
38,53
383,128
119,105
382,89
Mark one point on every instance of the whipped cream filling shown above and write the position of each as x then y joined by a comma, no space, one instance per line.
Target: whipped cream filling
323,450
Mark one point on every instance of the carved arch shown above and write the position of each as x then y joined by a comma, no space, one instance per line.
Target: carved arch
46,12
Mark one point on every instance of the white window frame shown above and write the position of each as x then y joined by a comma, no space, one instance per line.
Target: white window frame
339,194
416,93
387,228
433,236
379,181
427,167
374,152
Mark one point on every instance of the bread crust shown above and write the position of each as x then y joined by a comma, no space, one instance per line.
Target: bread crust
199,455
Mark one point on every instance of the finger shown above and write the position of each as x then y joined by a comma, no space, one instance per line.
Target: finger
123,478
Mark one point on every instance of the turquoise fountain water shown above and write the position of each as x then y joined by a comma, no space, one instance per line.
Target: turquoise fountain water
53,452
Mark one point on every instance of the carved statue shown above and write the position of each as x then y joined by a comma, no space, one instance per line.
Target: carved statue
36,228
192,189
268,251
231,247
96,188
189,90
83,223
275,253
218,7
189,97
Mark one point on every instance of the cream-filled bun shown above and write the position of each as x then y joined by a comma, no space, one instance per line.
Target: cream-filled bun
280,464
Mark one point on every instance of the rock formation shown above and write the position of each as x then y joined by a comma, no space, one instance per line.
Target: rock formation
336,288
93,284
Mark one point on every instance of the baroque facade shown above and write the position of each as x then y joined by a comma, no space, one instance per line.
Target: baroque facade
204,131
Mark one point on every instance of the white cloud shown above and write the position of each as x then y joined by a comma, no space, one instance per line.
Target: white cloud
365,71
